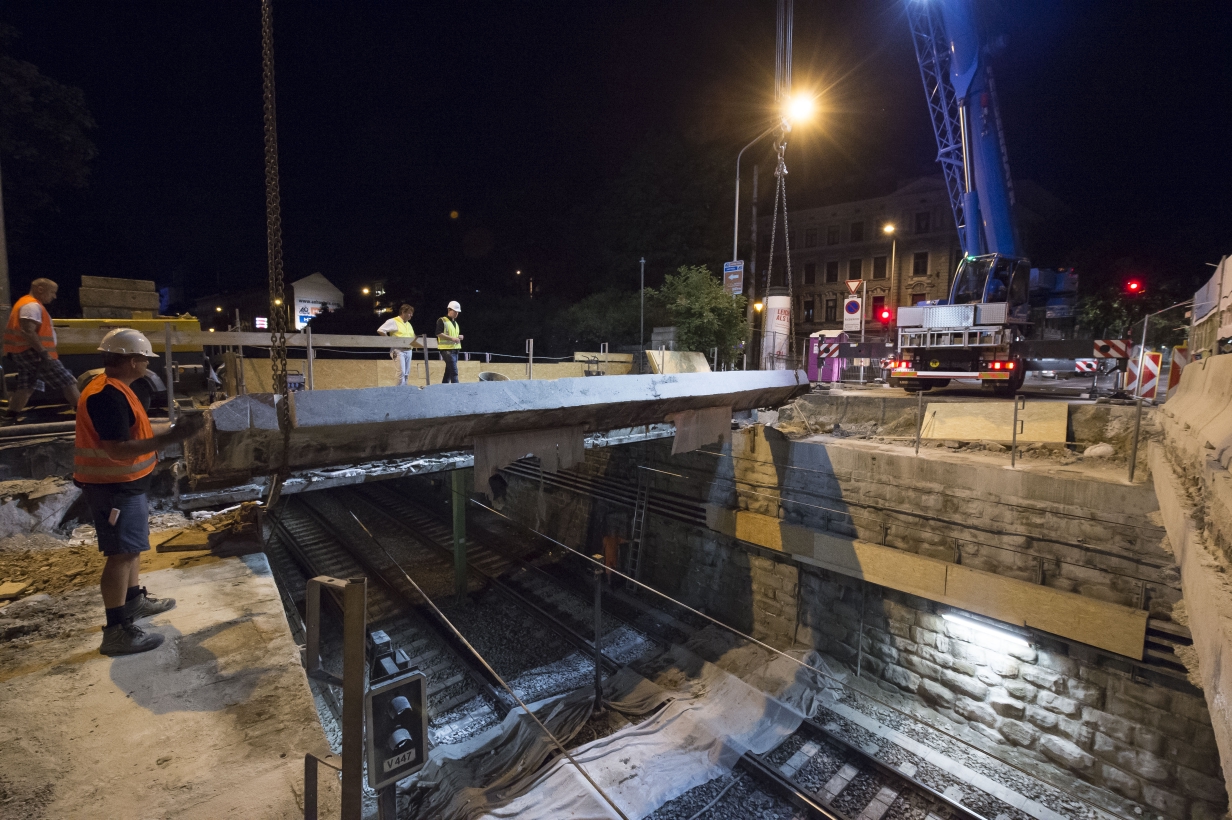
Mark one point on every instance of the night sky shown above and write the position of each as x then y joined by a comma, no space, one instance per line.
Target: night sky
391,115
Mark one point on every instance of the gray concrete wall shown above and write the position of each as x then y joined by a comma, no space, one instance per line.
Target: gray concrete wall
1191,466
1092,535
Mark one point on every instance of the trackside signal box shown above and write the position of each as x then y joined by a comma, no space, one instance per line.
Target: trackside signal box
397,716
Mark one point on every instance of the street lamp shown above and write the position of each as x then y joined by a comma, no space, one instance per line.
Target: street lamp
888,229
799,108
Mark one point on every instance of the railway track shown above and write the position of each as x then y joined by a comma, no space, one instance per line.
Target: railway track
565,609
814,769
841,780
317,548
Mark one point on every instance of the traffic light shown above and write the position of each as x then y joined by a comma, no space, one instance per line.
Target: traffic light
1134,286
884,315
397,719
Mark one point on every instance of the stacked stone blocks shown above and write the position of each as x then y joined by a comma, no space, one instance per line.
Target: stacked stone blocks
1147,743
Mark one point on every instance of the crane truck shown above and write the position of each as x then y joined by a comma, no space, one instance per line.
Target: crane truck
997,303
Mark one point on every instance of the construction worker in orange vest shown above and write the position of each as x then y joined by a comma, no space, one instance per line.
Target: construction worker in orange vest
113,462
30,341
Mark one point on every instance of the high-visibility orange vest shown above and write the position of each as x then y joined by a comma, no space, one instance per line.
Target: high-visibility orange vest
15,341
91,464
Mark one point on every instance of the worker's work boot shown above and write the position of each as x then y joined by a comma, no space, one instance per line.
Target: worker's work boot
145,605
128,639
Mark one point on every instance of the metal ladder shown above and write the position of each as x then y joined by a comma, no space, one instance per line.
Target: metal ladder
633,566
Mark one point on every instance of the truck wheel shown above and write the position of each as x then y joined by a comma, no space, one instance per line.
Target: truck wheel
1012,386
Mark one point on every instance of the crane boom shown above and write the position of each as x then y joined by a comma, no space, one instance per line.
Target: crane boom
963,109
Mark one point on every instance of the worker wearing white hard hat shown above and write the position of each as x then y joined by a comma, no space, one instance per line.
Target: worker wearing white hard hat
449,341
113,462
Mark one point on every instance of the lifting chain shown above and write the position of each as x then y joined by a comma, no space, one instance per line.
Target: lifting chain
273,219
780,196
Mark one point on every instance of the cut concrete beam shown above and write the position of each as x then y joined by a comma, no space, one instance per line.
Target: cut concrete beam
107,298
348,426
111,283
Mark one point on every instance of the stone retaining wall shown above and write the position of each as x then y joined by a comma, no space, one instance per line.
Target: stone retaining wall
1040,707
1033,705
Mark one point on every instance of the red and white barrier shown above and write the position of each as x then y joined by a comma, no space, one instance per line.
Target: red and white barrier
1112,348
1150,377
827,351
1085,365
1180,358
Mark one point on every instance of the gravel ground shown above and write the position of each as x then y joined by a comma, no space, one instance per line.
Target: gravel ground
506,635
742,801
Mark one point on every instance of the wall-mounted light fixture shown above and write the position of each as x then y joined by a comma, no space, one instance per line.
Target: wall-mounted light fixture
986,630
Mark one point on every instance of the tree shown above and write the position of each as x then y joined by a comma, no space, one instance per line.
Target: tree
44,140
609,316
704,314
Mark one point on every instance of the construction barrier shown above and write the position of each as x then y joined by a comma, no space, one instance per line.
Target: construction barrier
1150,380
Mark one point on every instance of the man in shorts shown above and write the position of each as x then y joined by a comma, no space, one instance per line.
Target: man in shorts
30,341
113,462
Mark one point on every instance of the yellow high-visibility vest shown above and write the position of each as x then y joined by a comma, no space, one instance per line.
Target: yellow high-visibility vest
451,329
404,331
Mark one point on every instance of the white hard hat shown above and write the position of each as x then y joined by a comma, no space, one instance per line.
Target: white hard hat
126,341
455,306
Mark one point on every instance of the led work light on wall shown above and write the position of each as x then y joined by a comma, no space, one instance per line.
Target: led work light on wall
985,630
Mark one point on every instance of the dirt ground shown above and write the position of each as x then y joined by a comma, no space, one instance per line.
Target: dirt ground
63,596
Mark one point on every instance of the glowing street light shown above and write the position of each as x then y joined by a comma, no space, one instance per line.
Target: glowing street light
757,306
888,229
799,108
218,309
366,291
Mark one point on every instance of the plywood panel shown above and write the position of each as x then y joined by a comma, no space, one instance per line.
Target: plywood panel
677,361
994,420
1109,626
1098,623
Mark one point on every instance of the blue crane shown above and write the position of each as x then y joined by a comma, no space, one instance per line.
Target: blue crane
962,104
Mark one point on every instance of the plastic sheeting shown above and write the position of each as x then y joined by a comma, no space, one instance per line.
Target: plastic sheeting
715,718
464,780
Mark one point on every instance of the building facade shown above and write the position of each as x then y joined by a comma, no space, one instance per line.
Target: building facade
849,241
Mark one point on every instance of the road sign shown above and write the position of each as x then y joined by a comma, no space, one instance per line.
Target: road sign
397,716
1112,348
853,285
853,313
733,277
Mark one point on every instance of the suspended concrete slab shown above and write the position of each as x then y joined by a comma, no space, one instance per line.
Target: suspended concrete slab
334,427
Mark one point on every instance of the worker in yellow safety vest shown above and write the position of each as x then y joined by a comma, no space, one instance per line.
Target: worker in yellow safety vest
30,342
113,463
449,341
400,327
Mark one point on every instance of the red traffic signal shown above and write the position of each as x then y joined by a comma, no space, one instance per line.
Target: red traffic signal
884,316
1134,286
